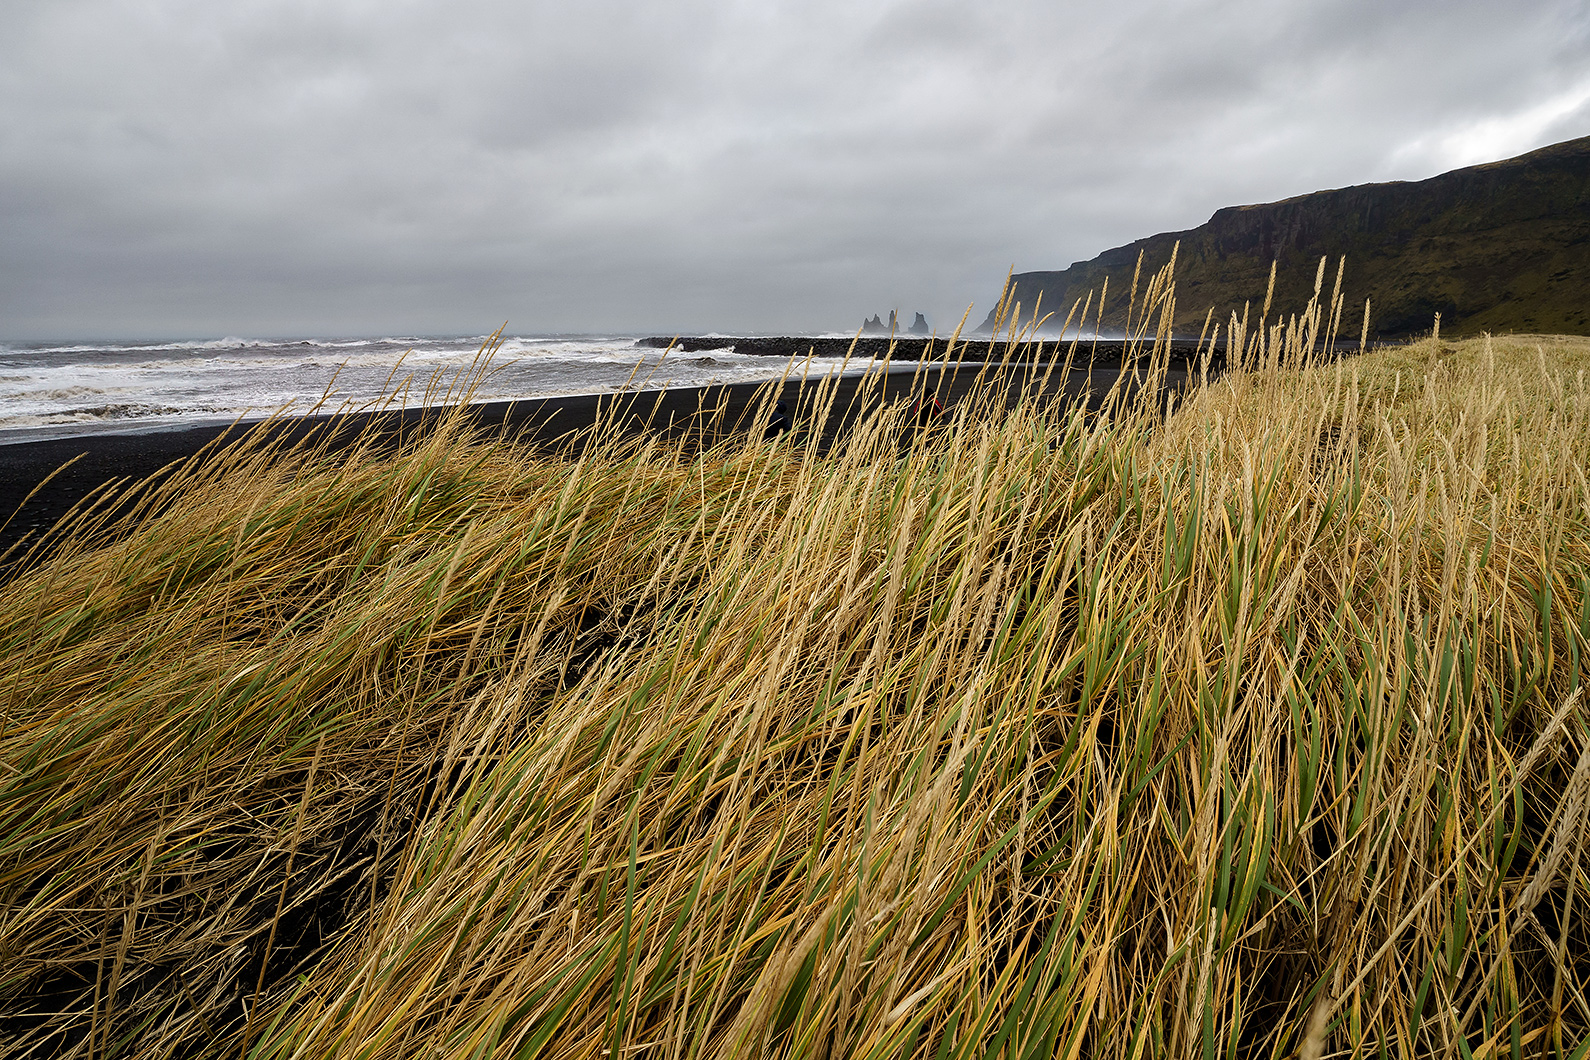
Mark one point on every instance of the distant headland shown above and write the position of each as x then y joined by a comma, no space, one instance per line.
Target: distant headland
1501,247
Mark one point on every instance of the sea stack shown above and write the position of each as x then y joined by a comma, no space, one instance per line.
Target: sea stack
919,326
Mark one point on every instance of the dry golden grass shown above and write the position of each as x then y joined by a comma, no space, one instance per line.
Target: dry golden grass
1254,731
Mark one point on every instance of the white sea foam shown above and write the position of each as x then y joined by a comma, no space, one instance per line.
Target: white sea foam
63,389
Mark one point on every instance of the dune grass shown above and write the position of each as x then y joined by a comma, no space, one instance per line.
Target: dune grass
1256,730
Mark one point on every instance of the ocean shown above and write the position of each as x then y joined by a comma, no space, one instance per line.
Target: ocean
59,390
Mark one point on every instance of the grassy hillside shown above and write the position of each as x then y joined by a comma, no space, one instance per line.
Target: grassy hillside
1503,247
1256,731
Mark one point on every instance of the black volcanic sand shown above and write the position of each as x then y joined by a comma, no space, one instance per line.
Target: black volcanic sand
1102,354
545,423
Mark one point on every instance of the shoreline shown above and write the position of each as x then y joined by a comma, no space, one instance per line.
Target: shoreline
82,464
1101,353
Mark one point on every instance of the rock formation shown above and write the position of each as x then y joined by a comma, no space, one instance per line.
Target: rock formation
919,326
876,326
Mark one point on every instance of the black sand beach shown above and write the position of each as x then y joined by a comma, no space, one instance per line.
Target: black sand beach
1104,353
95,460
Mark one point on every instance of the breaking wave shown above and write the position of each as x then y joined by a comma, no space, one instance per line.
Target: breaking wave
49,390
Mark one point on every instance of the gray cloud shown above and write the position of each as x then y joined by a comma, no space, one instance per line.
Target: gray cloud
181,167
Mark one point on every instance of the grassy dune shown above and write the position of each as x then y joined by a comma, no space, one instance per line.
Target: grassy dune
1251,731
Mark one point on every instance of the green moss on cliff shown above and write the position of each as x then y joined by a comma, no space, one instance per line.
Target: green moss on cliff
1499,247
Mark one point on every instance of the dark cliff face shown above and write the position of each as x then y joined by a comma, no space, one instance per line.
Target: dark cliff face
1497,247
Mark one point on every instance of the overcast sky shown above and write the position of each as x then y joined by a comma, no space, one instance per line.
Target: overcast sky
195,168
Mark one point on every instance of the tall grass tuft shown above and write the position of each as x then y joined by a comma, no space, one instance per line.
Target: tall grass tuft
1257,729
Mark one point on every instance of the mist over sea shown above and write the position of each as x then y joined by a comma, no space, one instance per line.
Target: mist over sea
56,390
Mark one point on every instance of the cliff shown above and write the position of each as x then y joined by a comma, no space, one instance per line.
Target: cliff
1498,247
